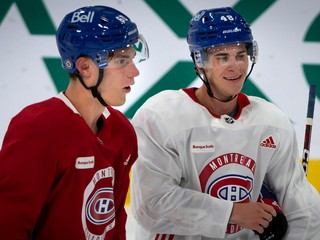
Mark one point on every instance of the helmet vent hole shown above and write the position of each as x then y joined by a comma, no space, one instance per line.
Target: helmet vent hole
204,19
71,27
98,58
104,19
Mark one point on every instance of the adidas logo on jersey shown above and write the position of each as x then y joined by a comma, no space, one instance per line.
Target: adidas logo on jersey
268,143
127,160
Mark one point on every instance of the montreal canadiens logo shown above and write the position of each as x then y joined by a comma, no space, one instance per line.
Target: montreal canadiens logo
234,188
100,208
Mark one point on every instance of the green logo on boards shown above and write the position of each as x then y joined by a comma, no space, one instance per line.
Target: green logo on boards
34,14
312,71
176,17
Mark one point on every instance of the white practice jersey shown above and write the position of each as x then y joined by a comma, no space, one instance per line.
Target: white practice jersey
193,165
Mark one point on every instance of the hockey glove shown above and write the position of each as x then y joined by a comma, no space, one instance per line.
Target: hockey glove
278,226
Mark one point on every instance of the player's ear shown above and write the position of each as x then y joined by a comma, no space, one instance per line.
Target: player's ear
83,66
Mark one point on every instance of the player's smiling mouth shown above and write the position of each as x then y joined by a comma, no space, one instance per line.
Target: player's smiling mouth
232,78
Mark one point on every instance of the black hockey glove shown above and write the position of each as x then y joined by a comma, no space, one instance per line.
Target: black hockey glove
278,226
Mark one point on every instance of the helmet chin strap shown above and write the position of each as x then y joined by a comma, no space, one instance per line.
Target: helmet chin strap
94,89
206,82
210,93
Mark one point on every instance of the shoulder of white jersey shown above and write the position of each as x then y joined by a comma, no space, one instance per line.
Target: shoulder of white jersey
162,98
171,109
166,102
268,112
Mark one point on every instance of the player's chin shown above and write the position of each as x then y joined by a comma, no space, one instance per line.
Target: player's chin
116,100
121,101
236,88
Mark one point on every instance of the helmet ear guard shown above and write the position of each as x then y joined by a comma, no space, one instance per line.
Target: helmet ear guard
253,51
198,59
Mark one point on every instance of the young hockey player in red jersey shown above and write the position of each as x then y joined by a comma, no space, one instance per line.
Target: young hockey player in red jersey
65,162
205,153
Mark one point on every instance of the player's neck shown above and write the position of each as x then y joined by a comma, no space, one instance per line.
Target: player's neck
215,106
88,107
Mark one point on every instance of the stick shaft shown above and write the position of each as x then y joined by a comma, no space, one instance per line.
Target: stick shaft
308,130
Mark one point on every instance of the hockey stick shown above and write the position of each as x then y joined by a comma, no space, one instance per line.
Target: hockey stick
308,131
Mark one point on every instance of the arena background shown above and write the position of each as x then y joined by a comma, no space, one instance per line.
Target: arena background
287,32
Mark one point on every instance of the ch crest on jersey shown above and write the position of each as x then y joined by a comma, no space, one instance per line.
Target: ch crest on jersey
229,177
98,210
235,188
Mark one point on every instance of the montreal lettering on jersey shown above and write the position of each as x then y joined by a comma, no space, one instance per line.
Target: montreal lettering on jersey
90,236
104,173
229,158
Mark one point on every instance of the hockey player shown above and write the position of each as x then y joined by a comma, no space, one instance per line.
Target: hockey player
204,153
65,162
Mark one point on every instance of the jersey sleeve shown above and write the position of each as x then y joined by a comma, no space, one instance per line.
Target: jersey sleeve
121,188
299,200
25,179
158,201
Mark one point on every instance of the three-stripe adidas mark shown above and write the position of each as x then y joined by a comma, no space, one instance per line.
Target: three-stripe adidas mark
268,143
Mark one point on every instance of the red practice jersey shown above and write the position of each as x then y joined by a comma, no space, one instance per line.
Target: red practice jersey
59,180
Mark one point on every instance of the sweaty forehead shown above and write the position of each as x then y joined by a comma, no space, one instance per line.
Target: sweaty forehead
238,47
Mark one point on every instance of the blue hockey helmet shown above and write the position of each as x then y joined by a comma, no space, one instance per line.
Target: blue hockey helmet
95,31
216,27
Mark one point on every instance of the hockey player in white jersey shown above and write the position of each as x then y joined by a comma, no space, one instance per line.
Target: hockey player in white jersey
205,153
